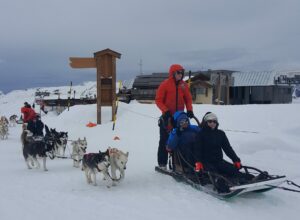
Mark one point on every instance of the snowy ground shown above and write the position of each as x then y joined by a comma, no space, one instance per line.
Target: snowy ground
62,192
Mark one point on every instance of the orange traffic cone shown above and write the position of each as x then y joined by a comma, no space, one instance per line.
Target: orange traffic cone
90,125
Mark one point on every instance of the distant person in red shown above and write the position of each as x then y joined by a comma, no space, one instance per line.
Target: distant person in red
172,95
28,113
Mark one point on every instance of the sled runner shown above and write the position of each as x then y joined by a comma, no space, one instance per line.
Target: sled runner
211,183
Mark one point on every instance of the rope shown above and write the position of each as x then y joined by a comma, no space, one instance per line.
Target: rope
292,183
149,116
191,166
288,189
141,114
254,132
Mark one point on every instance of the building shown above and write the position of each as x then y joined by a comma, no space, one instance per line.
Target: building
201,88
263,87
145,86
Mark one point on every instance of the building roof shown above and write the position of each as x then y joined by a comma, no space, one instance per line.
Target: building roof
254,78
107,51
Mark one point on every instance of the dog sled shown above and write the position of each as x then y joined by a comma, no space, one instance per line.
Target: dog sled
223,187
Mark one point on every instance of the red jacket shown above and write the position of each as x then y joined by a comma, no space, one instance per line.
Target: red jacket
28,114
166,96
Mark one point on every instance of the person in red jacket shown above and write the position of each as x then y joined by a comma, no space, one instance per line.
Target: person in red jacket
172,95
28,113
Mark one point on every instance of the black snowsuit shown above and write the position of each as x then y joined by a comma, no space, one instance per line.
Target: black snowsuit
36,127
210,146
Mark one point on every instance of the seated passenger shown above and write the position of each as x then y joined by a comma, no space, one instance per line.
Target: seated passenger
36,126
211,142
181,141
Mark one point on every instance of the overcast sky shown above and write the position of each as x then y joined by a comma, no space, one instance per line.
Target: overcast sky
37,37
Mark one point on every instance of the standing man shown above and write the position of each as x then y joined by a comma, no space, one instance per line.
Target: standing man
172,95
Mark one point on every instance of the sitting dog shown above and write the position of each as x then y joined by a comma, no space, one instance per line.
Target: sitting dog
36,148
118,161
96,162
78,150
3,128
13,120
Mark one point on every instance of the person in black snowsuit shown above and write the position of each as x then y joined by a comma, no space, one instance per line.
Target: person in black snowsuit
211,143
36,126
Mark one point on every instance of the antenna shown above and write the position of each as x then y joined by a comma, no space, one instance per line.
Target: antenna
141,66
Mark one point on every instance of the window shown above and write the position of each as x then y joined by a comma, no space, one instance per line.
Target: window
201,91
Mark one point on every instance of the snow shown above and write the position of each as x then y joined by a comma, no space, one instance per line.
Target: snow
265,136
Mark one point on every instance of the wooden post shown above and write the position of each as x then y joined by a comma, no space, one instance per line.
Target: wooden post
98,84
105,62
219,88
227,90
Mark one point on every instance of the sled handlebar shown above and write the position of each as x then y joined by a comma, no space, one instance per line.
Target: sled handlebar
197,120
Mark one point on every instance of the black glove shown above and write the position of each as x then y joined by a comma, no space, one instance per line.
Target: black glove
190,114
166,116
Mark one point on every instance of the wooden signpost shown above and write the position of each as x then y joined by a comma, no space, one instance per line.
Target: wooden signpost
105,63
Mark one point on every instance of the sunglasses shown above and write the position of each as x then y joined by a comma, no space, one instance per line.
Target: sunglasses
179,72
183,122
212,121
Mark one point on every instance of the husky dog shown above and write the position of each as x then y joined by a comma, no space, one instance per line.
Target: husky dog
61,139
4,120
61,142
96,162
3,128
13,120
36,148
118,161
78,150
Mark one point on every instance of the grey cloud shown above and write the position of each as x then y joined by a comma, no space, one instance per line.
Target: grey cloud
38,37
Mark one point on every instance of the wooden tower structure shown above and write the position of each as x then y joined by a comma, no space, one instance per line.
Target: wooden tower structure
105,63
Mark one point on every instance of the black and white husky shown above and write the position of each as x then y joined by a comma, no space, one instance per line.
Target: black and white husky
36,148
92,163
78,150
13,120
60,138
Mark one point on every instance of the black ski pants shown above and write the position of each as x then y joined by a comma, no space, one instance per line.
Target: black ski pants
225,168
162,154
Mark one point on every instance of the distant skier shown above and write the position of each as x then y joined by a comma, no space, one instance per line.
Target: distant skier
172,95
